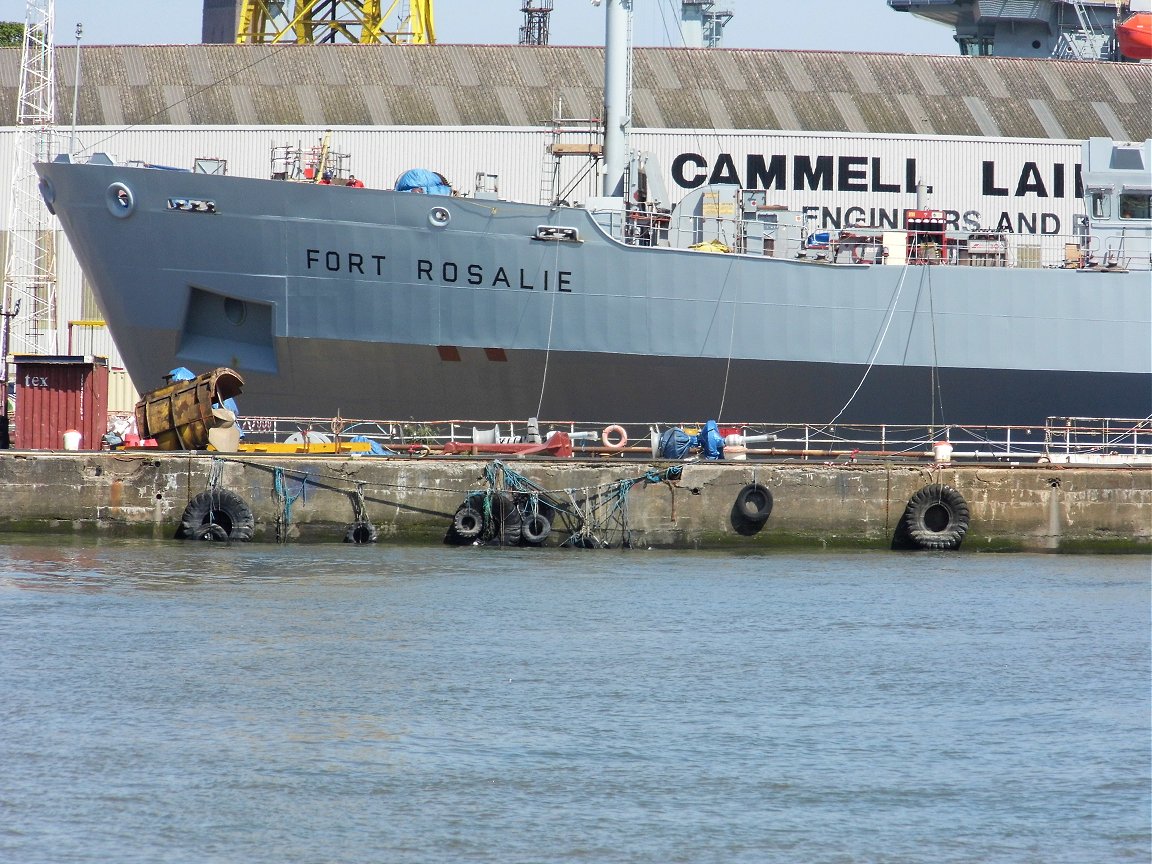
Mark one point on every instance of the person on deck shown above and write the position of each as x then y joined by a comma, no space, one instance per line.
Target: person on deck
354,182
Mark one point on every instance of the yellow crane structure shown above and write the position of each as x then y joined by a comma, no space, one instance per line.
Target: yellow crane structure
310,22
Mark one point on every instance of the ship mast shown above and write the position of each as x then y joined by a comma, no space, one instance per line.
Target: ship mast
617,96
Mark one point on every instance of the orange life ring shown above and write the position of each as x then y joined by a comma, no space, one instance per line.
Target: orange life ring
620,441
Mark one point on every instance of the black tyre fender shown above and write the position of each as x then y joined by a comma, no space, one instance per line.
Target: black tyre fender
218,514
211,532
468,522
535,528
361,533
936,517
754,502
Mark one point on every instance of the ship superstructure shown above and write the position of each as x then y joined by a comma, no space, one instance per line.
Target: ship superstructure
1063,29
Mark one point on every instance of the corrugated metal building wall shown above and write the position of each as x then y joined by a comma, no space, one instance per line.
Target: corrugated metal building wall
954,166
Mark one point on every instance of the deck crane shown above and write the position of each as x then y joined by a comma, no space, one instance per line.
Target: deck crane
308,22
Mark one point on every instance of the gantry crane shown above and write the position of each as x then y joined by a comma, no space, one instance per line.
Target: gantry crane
308,22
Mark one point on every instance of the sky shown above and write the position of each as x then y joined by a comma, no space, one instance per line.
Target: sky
811,25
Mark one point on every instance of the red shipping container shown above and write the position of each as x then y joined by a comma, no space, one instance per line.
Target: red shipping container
56,394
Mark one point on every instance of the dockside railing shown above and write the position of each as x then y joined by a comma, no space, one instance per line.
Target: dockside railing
1069,440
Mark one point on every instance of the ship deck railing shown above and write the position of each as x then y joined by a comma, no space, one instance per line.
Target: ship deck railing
1069,440
1120,247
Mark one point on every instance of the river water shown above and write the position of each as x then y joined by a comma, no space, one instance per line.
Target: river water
165,702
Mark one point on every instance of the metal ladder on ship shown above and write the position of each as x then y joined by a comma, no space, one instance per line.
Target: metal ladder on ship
1085,43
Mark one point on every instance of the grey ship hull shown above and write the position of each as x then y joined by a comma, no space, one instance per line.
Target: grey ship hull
351,301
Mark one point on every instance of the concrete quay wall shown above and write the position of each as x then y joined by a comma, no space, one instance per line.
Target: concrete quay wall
315,498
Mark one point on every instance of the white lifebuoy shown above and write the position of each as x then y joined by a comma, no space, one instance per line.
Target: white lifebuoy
619,442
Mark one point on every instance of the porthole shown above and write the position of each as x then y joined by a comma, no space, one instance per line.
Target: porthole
235,310
439,217
121,201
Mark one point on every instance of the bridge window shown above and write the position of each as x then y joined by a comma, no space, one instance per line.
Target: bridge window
1135,205
1100,202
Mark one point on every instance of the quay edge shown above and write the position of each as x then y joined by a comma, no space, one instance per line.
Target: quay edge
412,501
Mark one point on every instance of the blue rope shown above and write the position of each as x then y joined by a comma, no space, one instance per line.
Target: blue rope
286,500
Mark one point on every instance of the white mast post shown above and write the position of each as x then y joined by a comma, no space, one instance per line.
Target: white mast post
617,119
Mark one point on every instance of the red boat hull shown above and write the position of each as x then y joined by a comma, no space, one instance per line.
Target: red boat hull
1134,36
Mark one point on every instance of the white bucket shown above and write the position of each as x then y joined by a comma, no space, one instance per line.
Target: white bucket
735,452
942,452
72,440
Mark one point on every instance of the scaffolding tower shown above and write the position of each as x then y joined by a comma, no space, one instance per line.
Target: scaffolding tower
30,271
582,138
534,30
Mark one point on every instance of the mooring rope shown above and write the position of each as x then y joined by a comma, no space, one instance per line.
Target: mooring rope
359,512
889,316
216,472
548,347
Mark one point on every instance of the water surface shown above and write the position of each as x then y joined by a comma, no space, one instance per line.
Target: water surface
164,702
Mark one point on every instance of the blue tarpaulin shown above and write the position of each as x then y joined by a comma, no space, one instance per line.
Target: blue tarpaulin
423,180
678,444
377,449
711,442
